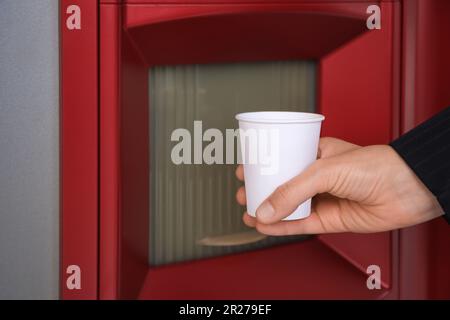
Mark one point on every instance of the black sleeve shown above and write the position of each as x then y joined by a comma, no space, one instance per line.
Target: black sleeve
426,149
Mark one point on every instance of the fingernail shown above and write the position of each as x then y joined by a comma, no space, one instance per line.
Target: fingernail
265,211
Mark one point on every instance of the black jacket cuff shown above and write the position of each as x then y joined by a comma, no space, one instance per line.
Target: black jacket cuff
426,149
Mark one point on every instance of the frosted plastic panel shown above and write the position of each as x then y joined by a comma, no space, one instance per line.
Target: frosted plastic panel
193,204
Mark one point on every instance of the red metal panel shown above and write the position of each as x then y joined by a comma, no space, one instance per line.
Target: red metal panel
424,249
241,32
358,98
139,15
124,147
432,64
241,1
79,149
307,270
109,151
134,170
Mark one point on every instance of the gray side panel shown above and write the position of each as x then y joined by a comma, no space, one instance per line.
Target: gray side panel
29,149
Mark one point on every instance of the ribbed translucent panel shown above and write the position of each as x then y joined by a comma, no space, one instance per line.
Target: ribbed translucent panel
191,203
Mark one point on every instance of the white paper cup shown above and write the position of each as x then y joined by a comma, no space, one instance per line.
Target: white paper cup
286,144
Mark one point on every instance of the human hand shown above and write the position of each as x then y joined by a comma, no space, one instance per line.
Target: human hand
355,189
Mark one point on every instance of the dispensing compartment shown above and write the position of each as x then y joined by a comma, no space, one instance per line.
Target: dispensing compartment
193,212
171,230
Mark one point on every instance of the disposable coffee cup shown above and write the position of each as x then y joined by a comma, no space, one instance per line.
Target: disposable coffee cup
275,147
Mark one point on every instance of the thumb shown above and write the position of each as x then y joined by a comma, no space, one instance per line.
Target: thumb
288,196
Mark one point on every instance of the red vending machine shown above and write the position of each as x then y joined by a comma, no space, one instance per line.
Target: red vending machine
135,70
